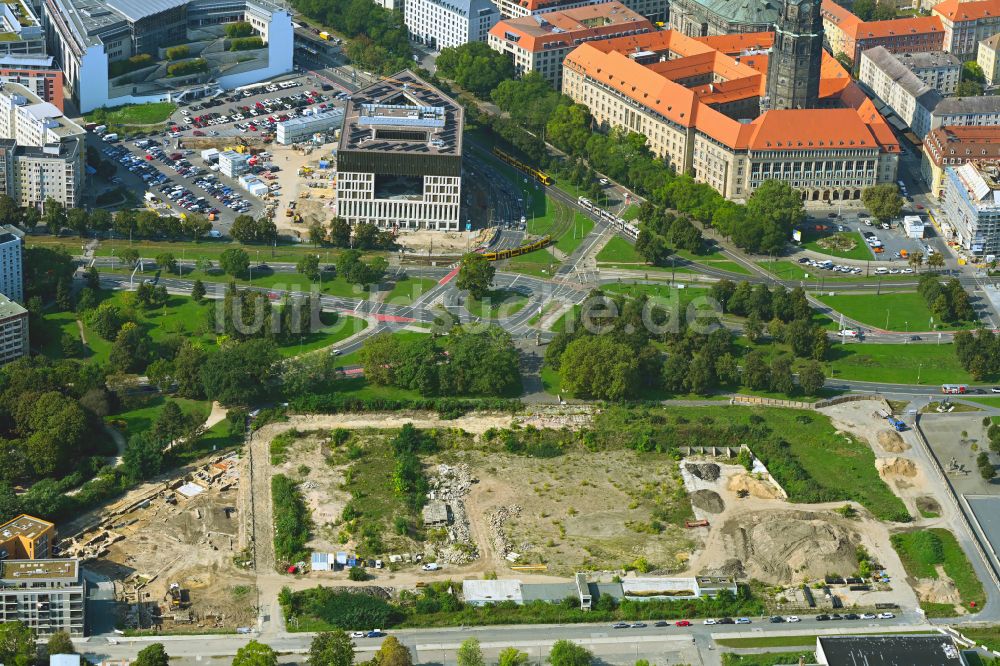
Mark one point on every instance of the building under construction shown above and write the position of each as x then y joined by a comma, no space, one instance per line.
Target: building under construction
399,160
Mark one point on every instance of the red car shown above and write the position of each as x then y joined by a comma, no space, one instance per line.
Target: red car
253,128
198,133
683,623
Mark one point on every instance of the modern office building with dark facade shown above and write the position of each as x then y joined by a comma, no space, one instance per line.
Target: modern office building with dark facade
399,161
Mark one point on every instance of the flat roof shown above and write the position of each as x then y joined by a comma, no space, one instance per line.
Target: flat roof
491,590
9,308
402,114
19,570
134,10
914,650
24,526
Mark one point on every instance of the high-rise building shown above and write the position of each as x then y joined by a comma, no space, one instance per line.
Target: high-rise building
27,538
11,270
442,24
13,331
793,68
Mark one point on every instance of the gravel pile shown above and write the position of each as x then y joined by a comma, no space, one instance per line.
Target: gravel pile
704,471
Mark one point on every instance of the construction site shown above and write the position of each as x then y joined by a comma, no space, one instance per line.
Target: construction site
171,550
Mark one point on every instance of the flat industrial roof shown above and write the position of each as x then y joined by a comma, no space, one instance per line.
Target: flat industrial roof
929,650
402,114
18,570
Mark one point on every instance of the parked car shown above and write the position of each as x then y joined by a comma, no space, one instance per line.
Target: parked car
742,620
885,616
682,623
620,625
431,566
867,616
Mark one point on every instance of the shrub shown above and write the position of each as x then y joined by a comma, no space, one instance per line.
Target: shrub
178,52
291,519
238,29
120,67
246,44
187,67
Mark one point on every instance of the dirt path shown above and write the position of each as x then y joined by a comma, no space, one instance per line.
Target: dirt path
473,423
83,334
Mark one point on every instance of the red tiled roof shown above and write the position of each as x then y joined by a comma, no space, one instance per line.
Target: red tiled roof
913,25
737,43
802,129
564,27
954,10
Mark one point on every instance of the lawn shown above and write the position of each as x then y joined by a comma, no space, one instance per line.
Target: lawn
714,259
992,401
767,658
619,250
793,641
559,325
182,316
846,245
988,636
268,279
406,291
896,364
670,296
141,419
540,263
152,113
498,304
896,311
630,213
354,358
923,551
209,248
572,238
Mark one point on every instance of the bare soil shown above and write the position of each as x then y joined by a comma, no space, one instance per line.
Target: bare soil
891,441
940,590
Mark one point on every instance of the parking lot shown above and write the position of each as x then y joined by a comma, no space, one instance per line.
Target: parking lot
896,246
168,164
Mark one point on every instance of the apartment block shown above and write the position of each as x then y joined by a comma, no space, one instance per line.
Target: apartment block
954,146
938,69
37,73
13,331
983,110
654,10
11,268
966,24
540,43
441,24
988,57
846,33
27,538
970,208
399,160
899,88
41,151
48,595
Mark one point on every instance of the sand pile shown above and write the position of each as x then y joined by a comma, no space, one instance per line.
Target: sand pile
940,590
708,500
892,441
704,471
896,467
781,548
759,488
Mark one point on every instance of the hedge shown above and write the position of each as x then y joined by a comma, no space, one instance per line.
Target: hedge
246,44
446,407
121,67
239,29
178,52
187,67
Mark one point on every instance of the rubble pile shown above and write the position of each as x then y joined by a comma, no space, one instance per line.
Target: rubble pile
497,520
450,485
704,471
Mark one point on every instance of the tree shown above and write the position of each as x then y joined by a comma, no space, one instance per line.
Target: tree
935,261
568,653
476,275
64,297
883,201
131,349
986,469
143,458
811,378
198,291
187,368
60,643
340,232
476,67
392,653
92,279
166,262
969,89
54,214
512,657
130,256
71,345
915,260
107,320
308,265
331,648
354,270
971,71
470,654
170,423
776,207
240,373
152,655
234,261
17,644
782,380
599,366
255,654
756,373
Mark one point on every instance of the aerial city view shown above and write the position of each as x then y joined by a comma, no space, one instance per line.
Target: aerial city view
500,332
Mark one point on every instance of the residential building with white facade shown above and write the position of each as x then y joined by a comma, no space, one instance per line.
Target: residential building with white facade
983,110
970,204
540,42
654,10
11,268
967,23
440,24
899,88
399,159
988,57
13,331
41,151
112,52
48,595
938,69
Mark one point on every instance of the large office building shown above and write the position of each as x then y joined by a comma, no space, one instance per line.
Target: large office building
970,203
846,33
697,101
541,42
36,73
11,268
899,88
41,151
441,24
654,10
954,146
20,29
48,595
967,23
113,52
399,160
